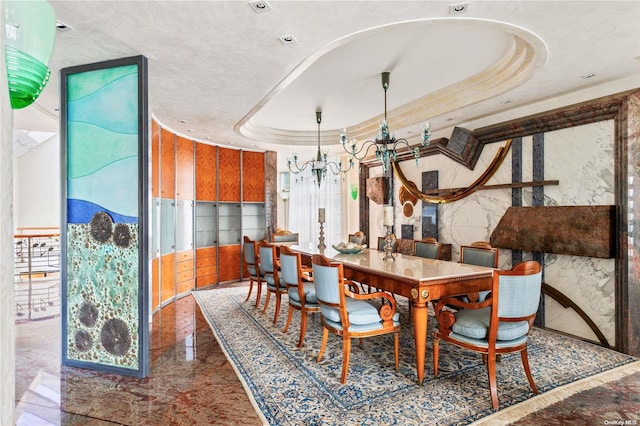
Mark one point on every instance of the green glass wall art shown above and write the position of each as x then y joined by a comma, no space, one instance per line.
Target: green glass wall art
104,185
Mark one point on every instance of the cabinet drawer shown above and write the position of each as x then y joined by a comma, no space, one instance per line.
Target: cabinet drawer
207,270
184,255
184,276
184,266
205,261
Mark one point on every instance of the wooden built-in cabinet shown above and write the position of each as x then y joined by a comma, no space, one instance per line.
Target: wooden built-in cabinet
205,198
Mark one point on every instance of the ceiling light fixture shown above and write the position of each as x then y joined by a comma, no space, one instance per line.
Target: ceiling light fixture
456,9
260,6
287,39
320,164
385,143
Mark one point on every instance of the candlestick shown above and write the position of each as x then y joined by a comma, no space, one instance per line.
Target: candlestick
321,245
321,215
388,216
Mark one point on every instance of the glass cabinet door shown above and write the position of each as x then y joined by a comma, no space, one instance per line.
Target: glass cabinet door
184,225
167,226
253,221
229,223
206,229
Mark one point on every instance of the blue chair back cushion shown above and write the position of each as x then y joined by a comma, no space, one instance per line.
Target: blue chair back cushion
519,295
289,269
249,253
427,250
477,256
266,260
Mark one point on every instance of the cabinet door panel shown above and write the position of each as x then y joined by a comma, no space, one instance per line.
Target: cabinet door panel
184,169
229,171
252,176
206,172
229,263
168,170
167,263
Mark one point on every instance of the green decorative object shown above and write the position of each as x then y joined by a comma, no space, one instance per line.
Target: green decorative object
29,38
354,191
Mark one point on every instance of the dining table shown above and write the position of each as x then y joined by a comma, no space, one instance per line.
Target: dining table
421,280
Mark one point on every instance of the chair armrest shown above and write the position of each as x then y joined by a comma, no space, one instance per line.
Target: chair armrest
386,311
351,285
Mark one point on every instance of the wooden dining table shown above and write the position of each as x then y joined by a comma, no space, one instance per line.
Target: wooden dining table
420,280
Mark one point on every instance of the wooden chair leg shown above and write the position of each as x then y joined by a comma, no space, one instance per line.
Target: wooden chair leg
525,364
289,316
278,302
266,302
436,355
361,339
346,355
303,327
493,386
325,337
259,295
250,290
396,348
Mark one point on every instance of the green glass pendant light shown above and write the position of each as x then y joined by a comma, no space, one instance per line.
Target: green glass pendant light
29,37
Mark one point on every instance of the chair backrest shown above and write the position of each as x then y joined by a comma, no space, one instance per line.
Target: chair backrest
267,257
358,238
431,249
249,251
518,291
328,280
290,267
479,253
285,238
381,243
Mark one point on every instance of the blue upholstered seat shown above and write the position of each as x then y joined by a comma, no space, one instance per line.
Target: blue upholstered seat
499,324
351,314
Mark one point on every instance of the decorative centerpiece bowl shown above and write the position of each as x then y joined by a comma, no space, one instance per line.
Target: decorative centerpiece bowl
350,248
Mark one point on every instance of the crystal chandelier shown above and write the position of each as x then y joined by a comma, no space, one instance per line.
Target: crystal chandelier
385,144
320,164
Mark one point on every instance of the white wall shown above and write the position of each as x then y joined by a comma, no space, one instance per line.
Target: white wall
7,309
37,186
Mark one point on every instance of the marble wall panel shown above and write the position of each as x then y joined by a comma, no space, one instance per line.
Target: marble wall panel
581,158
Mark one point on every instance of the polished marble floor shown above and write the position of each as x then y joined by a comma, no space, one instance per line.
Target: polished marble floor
190,380
192,383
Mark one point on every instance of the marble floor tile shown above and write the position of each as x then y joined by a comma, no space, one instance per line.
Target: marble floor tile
190,380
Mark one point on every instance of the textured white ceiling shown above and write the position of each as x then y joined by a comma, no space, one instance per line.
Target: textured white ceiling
219,66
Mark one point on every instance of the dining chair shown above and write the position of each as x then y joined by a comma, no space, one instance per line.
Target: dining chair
482,254
350,314
381,243
428,248
269,268
300,288
358,238
251,262
499,324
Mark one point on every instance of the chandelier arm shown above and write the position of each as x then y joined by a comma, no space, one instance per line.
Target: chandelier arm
457,195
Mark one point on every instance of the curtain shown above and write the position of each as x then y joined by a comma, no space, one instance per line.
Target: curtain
304,201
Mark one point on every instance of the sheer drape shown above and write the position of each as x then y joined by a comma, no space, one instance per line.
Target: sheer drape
305,200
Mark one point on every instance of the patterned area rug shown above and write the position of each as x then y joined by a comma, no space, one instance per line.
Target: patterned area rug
289,387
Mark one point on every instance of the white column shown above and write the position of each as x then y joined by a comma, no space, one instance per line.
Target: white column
7,316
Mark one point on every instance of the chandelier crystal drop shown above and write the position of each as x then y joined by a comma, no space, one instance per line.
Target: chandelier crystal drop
385,143
320,164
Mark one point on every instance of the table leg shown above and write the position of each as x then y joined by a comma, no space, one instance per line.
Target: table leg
420,330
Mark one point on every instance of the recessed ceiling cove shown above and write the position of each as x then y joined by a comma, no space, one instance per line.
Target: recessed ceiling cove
427,80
